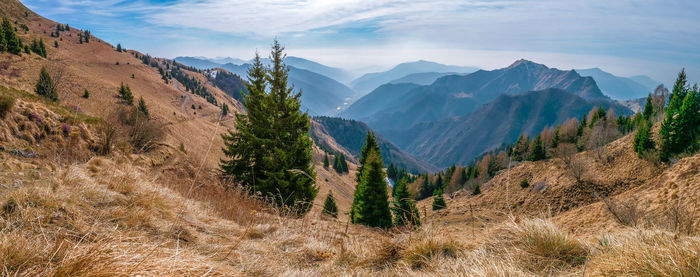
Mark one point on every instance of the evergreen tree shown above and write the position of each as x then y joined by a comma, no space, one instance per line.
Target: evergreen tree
438,200
143,108
671,132
326,163
555,137
642,140
119,47
370,144
688,117
524,183
55,44
329,206
126,95
39,48
343,163
648,108
520,152
224,110
3,41
438,182
370,206
86,94
537,152
427,189
45,86
271,152
12,43
477,190
403,206
391,172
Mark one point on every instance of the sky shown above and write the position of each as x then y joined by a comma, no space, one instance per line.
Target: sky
624,37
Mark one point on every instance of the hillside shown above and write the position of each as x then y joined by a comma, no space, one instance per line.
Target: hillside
321,95
422,78
456,95
376,101
350,135
619,88
371,81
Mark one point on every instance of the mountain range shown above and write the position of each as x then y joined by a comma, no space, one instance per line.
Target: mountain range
460,139
620,88
371,81
456,95
321,95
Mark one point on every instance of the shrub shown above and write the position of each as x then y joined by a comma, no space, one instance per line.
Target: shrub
6,104
143,134
542,238
524,183
45,86
86,94
625,212
66,129
476,190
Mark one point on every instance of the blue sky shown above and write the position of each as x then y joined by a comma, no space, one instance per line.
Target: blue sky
655,38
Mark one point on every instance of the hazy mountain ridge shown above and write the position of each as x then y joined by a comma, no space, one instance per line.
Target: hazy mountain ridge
422,78
620,88
371,81
455,95
321,95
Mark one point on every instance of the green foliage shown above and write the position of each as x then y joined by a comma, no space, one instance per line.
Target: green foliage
55,44
38,47
403,207
86,36
45,86
329,206
9,41
370,145
326,162
648,108
340,164
370,206
520,151
438,200
86,94
143,108
476,190
224,110
555,137
679,130
119,47
270,153
643,141
524,183
125,94
537,152
6,104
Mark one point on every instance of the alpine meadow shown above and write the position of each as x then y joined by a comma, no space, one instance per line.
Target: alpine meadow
349,138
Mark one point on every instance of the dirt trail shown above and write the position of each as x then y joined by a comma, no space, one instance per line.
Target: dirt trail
187,97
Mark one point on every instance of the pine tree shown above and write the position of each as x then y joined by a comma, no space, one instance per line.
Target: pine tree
55,44
648,108
343,163
126,95
688,116
370,206
642,140
271,152
3,41
438,200
520,152
12,43
329,206
671,132
537,152
403,206
477,190
326,163
524,183
45,86
143,108
119,47
224,109
86,94
555,137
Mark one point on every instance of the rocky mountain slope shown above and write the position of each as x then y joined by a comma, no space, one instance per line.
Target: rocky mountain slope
619,88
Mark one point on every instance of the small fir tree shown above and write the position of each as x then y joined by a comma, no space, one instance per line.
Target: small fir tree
403,206
329,206
370,205
126,95
326,162
143,108
86,94
119,47
538,152
524,183
642,140
45,86
438,200
476,190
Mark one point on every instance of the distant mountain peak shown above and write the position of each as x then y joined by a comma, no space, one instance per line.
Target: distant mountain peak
524,62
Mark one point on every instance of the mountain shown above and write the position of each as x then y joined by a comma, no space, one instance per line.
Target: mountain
460,139
378,100
370,81
619,88
225,60
350,135
456,95
197,62
423,78
645,81
337,74
321,95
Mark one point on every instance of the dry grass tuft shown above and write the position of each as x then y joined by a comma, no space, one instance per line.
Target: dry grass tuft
647,253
